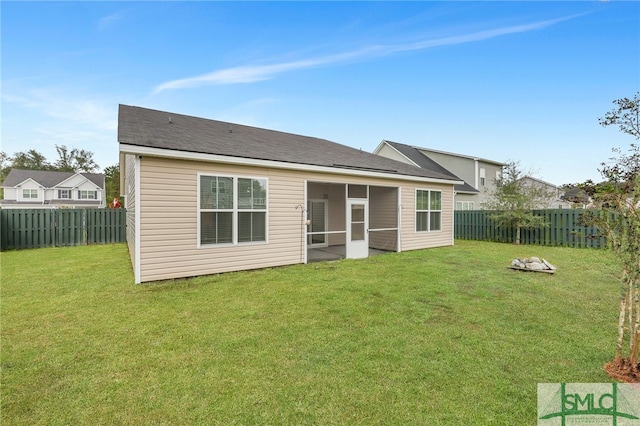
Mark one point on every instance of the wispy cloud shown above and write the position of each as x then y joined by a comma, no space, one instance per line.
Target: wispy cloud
254,73
250,74
109,20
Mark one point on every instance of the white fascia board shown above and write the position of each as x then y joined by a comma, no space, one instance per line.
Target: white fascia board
379,147
59,185
25,181
214,158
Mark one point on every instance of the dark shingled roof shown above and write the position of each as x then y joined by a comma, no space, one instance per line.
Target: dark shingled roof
47,178
422,160
165,130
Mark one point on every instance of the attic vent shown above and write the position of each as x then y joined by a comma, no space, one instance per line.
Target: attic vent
230,131
170,122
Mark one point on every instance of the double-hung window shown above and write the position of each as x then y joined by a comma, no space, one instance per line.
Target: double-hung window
232,210
29,193
428,210
64,194
87,195
465,205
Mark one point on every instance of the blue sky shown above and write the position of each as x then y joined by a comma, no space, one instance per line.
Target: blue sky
522,81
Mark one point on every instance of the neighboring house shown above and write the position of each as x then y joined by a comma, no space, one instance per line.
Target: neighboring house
205,197
32,189
478,174
555,199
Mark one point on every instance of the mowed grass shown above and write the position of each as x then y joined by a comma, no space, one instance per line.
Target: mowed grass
446,336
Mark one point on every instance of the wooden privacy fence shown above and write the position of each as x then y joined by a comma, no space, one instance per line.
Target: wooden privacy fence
33,228
565,229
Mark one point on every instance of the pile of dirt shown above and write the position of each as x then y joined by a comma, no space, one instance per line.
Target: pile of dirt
622,371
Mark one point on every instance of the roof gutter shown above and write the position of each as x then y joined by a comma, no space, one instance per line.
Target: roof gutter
214,158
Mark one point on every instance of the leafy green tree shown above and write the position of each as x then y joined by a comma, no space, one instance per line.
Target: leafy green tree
4,170
619,222
30,160
515,198
112,182
74,160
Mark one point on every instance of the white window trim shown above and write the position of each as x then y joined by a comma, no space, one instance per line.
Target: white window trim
429,211
68,191
37,192
465,205
235,210
87,191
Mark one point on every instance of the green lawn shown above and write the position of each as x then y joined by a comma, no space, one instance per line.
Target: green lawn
445,336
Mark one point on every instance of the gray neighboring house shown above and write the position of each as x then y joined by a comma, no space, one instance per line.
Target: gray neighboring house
479,174
556,194
37,189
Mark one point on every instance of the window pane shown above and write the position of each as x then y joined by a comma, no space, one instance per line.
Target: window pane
245,193
422,221
357,231
251,226
216,192
252,194
216,228
436,200
422,200
259,194
208,195
435,221
357,213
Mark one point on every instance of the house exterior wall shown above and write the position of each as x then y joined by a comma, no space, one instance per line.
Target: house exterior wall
412,240
469,169
462,167
489,187
389,152
554,200
10,193
29,184
129,191
168,217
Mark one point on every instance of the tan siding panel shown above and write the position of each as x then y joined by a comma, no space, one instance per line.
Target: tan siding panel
130,204
412,240
169,218
169,213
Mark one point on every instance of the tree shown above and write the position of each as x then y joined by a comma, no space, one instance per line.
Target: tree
112,181
74,160
30,160
4,169
619,222
515,198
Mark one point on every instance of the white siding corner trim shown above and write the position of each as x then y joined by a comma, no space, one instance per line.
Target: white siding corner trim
136,269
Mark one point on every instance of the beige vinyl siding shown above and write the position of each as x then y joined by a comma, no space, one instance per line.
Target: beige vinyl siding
169,218
389,152
412,240
130,203
169,232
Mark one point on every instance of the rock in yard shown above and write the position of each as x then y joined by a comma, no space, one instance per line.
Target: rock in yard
533,264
